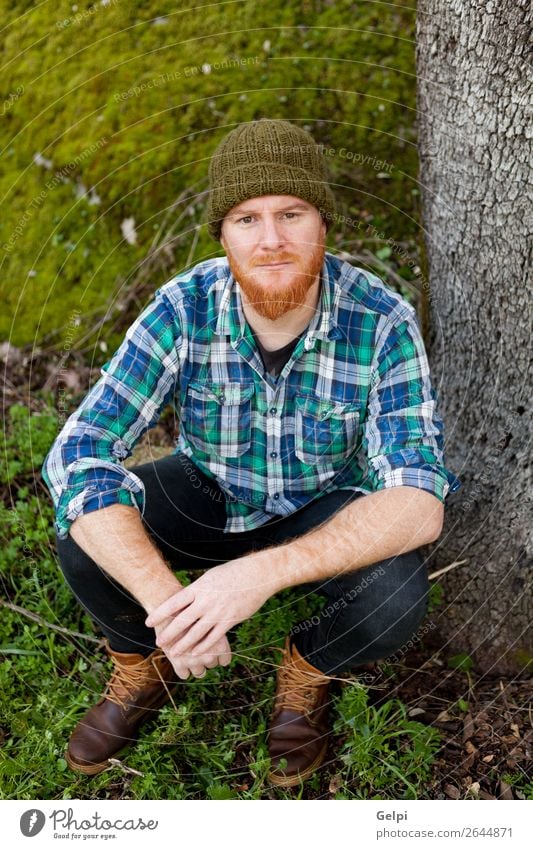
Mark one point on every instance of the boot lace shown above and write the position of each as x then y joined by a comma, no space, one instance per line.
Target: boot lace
126,681
297,689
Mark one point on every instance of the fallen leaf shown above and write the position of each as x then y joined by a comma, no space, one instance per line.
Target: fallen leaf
468,762
444,716
336,783
39,159
128,231
509,739
484,795
452,792
468,727
504,791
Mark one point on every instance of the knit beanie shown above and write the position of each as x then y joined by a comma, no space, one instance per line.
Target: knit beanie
266,157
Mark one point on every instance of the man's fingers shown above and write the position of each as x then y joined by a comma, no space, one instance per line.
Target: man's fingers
178,601
189,641
174,631
224,659
181,670
198,670
215,643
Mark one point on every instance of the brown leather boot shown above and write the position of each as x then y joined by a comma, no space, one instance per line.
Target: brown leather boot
298,731
137,688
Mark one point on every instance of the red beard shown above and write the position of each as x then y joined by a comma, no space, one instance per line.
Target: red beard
269,298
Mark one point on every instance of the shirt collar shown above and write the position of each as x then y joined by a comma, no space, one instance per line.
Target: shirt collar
231,320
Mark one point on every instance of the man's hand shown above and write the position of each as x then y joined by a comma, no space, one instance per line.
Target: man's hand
193,622
196,664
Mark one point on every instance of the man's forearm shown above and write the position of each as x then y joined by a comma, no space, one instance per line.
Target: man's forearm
114,537
369,529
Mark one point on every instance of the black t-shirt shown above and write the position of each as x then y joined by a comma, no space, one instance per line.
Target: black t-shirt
275,360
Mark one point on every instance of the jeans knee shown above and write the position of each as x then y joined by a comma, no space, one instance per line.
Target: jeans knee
384,627
78,568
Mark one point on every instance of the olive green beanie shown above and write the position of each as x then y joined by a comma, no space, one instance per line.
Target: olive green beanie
266,157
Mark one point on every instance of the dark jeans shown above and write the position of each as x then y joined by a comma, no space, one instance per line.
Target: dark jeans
369,614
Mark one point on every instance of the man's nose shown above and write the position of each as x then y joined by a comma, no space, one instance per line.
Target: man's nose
272,235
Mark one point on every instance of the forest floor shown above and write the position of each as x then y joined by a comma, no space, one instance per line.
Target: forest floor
485,722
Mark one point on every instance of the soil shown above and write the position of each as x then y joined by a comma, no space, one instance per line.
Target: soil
482,744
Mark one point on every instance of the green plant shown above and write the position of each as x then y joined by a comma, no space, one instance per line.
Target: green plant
461,661
520,781
386,755
24,443
436,597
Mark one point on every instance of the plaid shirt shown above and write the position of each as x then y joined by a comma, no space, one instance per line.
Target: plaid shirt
353,408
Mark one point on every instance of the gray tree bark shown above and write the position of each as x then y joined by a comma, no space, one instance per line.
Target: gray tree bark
474,91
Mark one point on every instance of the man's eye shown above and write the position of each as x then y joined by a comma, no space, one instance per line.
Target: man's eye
245,219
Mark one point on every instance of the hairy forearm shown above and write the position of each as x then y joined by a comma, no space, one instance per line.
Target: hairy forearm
114,537
371,528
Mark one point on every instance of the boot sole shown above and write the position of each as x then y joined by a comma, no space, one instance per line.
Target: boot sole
293,780
86,769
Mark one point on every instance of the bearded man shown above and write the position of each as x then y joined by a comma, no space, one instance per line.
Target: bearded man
309,453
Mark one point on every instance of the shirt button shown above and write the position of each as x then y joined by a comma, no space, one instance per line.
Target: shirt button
273,453
275,496
273,411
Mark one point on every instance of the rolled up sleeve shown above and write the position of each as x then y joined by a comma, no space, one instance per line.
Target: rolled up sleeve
403,437
84,470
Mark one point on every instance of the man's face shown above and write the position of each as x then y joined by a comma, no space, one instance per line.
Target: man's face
275,246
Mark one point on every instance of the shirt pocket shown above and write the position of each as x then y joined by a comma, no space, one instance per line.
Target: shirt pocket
326,431
218,417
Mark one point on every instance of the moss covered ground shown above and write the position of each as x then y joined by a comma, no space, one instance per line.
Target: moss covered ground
111,112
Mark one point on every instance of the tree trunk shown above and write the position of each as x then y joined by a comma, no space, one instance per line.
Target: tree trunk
474,85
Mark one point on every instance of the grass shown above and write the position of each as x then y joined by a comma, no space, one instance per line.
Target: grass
386,755
211,745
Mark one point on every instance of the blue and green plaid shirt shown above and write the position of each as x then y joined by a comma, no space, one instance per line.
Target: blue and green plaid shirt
353,408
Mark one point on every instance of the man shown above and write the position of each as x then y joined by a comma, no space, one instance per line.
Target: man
309,452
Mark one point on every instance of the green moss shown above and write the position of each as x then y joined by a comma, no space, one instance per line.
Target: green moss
344,71
524,659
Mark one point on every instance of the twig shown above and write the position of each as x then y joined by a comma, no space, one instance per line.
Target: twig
35,618
20,651
504,695
447,569
116,762
368,258
193,246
